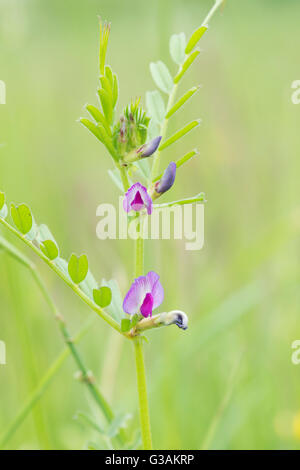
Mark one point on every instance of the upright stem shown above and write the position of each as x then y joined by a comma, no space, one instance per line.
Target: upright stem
139,251
142,390
139,357
124,178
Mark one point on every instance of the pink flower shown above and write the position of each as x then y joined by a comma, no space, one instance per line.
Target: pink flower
137,198
145,294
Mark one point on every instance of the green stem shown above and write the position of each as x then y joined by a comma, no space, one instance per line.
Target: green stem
124,178
139,357
212,11
139,251
102,313
142,391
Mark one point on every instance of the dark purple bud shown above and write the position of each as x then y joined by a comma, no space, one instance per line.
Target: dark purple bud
167,180
148,149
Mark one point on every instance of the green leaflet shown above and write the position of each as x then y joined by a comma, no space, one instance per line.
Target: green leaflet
99,117
182,101
50,249
155,106
186,157
22,218
115,91
185,66
3,206
78,268
106,103
109,75
106,85
161,76
125,325
180,134
2,200
177,47
4,212
195,37
102,296
101,135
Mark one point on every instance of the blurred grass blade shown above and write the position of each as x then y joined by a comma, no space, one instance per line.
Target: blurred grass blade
182,132
223,405
41,388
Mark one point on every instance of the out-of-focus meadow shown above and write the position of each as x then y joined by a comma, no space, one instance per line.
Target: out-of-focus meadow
228,381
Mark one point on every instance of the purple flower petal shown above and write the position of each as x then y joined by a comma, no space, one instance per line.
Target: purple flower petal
135,296
151,278
147,306
145,294
137,198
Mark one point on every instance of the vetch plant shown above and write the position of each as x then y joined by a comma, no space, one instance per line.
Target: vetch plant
135,142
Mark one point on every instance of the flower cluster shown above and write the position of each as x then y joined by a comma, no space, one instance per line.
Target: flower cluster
146,292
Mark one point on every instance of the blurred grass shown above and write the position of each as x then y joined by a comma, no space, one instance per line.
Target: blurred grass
241,291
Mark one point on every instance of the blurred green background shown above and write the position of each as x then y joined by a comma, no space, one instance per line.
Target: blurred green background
228,382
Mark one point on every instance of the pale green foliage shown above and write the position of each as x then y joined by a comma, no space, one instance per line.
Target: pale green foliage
155,106
161,76
177,47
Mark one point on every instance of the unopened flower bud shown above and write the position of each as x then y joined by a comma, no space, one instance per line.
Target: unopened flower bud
144,151
167,179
